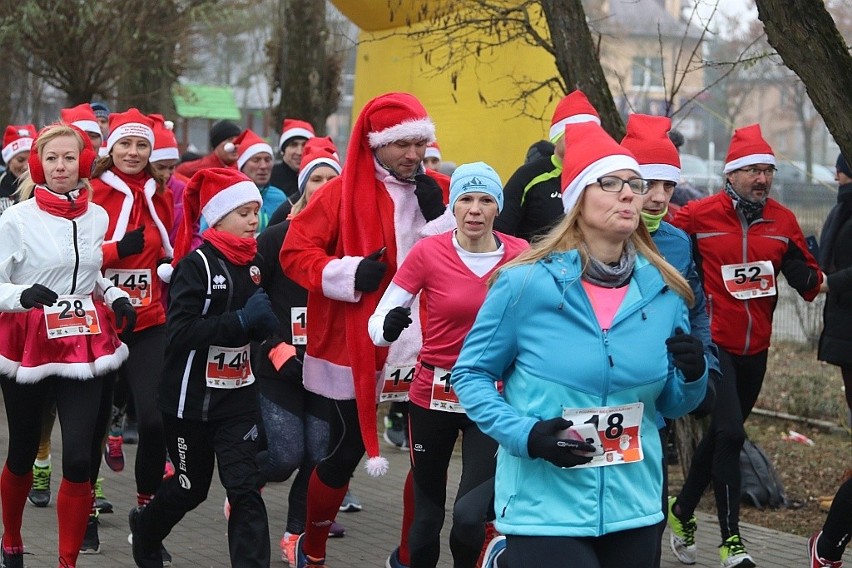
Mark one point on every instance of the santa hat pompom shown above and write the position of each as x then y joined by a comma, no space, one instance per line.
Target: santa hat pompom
377,466
169,125
165,271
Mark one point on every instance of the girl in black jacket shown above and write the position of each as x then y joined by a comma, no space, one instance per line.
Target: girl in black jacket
207,391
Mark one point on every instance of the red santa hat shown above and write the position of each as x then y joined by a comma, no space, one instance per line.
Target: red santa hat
433,150
249,145
17,138
589,154
83,117
319,151
573,108
211,193
748,148
129,123
294,128
165,142
648,139
383,120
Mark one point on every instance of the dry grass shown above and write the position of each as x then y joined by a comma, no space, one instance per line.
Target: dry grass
796,383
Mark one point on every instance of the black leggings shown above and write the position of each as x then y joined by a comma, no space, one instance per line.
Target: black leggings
634,548
432,437
346,448
142,372
838,525
717,457
77,405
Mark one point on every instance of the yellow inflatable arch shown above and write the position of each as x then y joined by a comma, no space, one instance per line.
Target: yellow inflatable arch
473,123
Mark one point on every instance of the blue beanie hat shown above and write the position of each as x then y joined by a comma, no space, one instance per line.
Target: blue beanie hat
477,177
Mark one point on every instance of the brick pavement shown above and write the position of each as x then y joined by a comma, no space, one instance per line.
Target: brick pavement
200,539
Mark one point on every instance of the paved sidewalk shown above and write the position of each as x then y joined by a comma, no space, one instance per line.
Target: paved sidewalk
200,539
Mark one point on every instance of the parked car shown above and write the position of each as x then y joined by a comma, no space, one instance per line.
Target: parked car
703,175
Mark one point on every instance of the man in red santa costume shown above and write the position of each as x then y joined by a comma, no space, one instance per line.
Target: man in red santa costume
344,248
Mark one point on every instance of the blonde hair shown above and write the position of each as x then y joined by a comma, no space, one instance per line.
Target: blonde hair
48,134
568,235
300,204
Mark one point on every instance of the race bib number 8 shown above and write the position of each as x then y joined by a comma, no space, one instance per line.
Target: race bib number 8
137,284
228,367
749,280
618,432
71,315
396,382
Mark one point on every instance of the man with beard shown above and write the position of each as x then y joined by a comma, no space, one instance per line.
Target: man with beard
742,239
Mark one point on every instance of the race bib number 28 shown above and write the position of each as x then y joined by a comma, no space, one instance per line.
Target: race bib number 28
71,315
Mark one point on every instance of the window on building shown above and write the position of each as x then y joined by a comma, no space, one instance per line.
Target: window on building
647,72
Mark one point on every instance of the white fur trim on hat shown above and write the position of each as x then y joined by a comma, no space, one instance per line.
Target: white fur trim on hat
590,175
432,152
16,147
130,129
305,172
229,199
88,126
164,154
252,151
749,160
665,172
418,129
294,133
558,130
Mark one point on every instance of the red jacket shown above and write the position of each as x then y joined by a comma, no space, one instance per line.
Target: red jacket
722,239
139,272
185,170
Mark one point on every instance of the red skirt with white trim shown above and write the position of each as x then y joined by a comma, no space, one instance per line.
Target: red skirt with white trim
27,355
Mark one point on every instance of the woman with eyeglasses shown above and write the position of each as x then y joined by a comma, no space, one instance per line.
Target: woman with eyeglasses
589,332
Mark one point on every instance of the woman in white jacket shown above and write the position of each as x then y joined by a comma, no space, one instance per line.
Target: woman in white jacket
56,331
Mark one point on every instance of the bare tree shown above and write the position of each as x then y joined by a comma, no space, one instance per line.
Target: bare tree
307,62
825,67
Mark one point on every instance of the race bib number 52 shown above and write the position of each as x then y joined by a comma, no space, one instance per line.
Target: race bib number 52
749,280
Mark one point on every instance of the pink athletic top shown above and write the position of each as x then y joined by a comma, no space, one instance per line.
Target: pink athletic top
605,302
453,295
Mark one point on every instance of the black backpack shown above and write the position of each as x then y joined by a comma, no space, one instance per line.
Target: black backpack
761,485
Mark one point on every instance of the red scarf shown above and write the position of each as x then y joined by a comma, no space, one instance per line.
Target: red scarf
238,250
62,205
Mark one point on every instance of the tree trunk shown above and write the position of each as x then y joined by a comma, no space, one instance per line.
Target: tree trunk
306,73
688,432
577,59
825,66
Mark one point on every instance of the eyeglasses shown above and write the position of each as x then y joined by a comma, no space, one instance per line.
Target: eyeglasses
754,172
614,184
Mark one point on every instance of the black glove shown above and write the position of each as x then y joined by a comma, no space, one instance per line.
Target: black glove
370,272
257,316
705,407
125,317
687,354
397,319
38,296
131,243
430,197
544,443
798,274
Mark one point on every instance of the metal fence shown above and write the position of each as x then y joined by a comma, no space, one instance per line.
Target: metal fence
795,319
